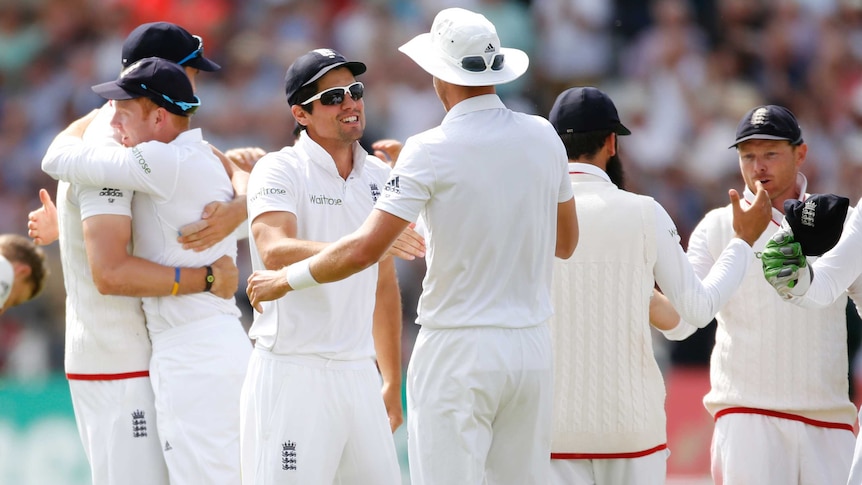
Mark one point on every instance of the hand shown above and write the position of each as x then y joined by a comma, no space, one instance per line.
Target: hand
749,224
266,285
79,126
245,158
392,401
218,221
387,150
42,225
409,245
784,265
226,277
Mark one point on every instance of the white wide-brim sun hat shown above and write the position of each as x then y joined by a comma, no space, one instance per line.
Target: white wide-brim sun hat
457,34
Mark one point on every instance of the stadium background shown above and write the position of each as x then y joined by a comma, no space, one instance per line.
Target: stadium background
682,73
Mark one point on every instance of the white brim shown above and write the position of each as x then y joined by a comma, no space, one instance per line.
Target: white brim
430,59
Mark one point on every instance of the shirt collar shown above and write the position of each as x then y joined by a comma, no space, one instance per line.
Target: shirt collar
318,155
577,167
476,103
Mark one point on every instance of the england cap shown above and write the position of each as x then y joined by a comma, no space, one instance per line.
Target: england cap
817,222
168,41
160,80
312,66
769,122
581,110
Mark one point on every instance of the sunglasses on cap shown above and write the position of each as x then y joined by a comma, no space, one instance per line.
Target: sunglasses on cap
337,95
188,108
479,64
199,52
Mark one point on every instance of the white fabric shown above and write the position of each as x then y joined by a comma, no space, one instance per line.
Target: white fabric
7,279
317,421
104,334
839,270
609,391
770,354
479,406
173,181
751,448
303,180
117,423
457,33
645,470
487,183
197,372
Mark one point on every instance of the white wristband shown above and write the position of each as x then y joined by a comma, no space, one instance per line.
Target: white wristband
299,275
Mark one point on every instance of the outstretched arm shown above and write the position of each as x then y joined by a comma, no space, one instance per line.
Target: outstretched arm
349,255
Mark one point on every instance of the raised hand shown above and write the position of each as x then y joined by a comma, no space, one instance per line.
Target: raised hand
42,225
749,223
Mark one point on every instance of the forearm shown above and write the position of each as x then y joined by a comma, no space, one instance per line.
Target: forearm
387,325
133,276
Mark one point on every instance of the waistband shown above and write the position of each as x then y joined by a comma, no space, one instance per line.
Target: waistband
608,456
107,377
781,415
315,361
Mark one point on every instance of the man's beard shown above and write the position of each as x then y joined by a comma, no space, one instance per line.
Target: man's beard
614,170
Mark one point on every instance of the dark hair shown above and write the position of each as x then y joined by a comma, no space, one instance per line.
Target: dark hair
19,249
305,92
584,144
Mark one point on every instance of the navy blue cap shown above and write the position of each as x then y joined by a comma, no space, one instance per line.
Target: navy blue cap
312,66
155,78
769,122
168,41
582,110
817,222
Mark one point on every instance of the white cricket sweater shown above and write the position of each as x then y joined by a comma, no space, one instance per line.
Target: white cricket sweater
770,354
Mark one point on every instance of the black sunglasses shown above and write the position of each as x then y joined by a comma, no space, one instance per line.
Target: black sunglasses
478,63
337,95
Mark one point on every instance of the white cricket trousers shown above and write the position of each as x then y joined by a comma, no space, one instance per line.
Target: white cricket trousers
753,449
197,371
307,420
479,403
644,470
117,423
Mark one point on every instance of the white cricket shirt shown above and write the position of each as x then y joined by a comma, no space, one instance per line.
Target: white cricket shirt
487,183
332,320
106,336
173,182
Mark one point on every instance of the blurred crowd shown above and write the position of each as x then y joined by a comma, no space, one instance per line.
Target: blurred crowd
682,73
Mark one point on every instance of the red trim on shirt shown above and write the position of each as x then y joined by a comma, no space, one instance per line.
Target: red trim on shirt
108,377
779,414
578,173
607,456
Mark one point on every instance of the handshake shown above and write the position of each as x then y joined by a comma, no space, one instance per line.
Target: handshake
809,228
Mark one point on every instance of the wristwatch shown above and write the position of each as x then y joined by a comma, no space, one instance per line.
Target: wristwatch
210,279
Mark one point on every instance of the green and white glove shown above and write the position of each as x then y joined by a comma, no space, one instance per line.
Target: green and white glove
784,265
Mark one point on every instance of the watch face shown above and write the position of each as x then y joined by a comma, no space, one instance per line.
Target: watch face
210,278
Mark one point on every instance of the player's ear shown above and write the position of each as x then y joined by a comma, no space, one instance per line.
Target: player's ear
299,114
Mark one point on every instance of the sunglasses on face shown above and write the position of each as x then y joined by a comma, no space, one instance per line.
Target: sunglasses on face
188,108
333,96
479,64
195,53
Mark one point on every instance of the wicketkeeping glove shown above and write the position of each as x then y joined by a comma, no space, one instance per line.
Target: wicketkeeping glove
784,264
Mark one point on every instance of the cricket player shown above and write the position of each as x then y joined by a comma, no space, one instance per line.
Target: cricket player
492,187
778,372
200,350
